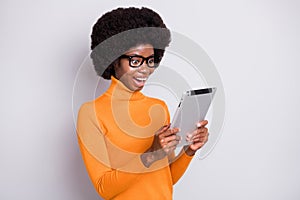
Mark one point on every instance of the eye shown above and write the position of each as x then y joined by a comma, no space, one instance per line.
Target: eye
151,61
135,61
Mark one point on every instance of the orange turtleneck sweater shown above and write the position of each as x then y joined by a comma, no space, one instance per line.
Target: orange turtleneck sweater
113,131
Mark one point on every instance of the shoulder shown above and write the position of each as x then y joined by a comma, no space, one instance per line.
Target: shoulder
87,111
86,108
87,118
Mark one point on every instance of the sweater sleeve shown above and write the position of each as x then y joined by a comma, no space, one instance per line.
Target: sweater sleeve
107,181
109,175
179,165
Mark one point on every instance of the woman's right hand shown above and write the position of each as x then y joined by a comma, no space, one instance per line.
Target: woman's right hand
166,139
164,143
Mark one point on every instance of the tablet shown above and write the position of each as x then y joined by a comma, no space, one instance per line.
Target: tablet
192,108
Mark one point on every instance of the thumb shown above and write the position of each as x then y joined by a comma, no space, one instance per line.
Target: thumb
202,123
163,129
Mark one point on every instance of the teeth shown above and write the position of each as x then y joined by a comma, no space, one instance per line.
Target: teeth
141,79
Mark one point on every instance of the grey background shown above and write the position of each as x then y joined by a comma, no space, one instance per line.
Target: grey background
254,45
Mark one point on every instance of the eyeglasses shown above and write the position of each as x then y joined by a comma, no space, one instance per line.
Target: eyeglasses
136,61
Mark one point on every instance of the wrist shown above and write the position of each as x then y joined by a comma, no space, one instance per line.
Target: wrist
147,159
151,156
189,151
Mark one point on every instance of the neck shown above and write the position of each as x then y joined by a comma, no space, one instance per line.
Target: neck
119,91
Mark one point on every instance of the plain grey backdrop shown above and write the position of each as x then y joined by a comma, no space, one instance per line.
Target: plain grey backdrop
255,46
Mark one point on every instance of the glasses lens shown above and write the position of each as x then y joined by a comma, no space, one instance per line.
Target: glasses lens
151,62
135,61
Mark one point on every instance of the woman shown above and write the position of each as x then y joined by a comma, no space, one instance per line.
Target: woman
125,137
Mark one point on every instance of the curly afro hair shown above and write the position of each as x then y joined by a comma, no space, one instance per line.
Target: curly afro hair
119,30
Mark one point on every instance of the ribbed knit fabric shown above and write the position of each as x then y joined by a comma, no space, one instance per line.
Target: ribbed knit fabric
113,131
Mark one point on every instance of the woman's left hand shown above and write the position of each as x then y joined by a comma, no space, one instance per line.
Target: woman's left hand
199,137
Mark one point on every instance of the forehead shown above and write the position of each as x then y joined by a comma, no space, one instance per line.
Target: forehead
141,49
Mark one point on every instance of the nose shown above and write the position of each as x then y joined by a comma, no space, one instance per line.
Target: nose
144,68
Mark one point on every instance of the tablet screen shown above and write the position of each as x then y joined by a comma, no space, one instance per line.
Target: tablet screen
192,108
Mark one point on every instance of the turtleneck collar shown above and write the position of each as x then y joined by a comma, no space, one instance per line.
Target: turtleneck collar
119,91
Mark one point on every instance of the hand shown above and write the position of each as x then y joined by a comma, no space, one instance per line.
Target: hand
167,139
164,143
198,138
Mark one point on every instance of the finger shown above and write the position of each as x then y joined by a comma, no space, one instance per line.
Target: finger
200,140
203,130
178,138
202,123
168,139
190,135
170,132
199,143
194,133
171,145
197,131
206,138
200,135
163,129
175,130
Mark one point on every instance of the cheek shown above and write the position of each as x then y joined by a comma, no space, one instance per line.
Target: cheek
151,71
122,69
130,71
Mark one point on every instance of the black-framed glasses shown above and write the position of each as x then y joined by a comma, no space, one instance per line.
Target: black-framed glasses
136,61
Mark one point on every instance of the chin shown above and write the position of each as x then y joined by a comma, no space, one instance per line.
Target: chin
136,88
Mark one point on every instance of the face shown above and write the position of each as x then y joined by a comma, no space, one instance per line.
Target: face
135,78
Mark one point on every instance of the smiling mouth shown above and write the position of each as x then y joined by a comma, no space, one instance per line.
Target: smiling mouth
141,79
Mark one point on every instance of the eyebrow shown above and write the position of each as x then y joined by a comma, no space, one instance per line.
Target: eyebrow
140,55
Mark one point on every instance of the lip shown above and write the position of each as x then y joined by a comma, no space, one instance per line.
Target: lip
141,78
140,81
